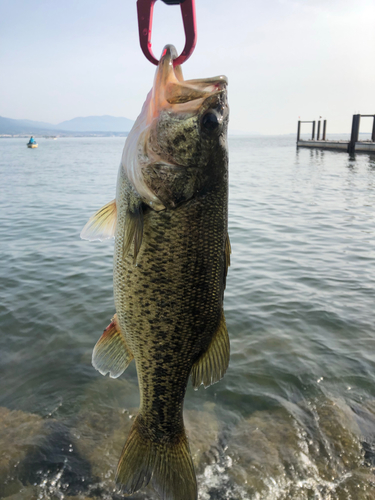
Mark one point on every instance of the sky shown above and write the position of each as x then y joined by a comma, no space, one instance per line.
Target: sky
285,59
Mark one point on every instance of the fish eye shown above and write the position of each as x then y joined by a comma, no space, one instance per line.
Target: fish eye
210,121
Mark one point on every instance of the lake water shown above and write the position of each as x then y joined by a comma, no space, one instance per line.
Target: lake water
294,417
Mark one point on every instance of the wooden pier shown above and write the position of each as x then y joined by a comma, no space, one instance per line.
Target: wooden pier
354,145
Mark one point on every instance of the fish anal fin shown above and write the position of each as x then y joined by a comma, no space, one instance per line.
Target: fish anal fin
213,363
111,353
102,224
168,465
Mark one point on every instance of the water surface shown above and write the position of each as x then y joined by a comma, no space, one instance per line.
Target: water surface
294,417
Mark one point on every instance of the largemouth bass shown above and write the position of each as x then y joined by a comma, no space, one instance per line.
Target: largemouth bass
171,257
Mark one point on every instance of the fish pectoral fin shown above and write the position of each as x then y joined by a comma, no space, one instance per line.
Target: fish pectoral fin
212,364
111,353
133,230
227,252
102,224
168,465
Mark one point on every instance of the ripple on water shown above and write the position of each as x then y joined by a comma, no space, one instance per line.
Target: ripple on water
294,417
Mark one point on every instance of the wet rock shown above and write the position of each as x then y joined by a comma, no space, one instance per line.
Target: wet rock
82,497
55,466
24,493
100,437
20,434
365,418
202,428
273,455
37,451
358,485
102,425
339,440
259,447
100,429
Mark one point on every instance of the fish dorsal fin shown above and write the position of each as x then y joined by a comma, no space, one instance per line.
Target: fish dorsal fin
212,364
111,353
102,224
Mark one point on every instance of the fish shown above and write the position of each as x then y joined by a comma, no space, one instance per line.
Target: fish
171,257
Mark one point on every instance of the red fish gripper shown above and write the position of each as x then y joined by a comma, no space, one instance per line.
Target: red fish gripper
145,9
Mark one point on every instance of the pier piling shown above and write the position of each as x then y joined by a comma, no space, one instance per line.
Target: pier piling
324,130
355,133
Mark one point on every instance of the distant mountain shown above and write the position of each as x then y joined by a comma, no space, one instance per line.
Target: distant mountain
31,123
15,127
76,126
104,123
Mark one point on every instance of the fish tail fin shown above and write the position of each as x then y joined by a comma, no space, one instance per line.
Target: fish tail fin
168,465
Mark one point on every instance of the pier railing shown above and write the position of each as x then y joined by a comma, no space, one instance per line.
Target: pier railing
313,130
350,146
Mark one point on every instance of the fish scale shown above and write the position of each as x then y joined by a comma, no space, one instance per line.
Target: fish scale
178,264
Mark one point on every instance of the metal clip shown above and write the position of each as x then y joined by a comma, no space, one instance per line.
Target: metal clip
145,10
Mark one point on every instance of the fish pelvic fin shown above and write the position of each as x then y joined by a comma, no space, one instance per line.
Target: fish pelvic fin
213,363
102,224
111,353
167,464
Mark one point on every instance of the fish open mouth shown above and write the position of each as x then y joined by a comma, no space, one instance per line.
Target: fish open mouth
170,88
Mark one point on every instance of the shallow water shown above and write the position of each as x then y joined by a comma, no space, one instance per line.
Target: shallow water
294,417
